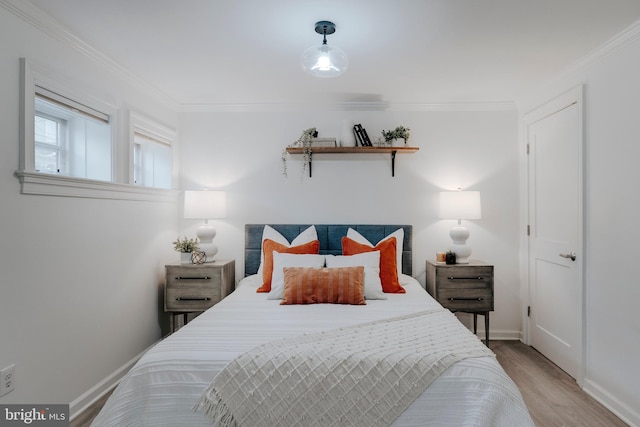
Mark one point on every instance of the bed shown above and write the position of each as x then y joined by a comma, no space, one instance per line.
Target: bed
167,386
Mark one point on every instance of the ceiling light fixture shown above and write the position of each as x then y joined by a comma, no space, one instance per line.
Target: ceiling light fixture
324,60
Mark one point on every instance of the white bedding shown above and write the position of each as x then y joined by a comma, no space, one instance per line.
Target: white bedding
165,384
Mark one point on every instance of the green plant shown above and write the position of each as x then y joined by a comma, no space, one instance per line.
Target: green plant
185,245
305,142
399,132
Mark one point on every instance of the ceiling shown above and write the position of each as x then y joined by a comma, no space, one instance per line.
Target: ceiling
201,52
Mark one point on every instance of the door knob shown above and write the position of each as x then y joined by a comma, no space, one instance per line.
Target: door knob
571,256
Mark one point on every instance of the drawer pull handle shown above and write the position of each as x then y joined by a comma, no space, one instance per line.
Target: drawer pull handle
193,278
465,299
193,299
466,278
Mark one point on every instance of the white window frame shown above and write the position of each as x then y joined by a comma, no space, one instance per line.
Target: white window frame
150,129
39,183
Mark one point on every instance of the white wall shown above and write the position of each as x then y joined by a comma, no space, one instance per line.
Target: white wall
79,292
240,153
612,90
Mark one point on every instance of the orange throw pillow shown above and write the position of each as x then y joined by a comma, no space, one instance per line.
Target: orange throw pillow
388,263
342,285
268,246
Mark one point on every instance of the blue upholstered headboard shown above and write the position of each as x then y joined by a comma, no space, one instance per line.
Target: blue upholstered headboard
330,236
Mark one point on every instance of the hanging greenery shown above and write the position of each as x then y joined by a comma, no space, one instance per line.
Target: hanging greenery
305,142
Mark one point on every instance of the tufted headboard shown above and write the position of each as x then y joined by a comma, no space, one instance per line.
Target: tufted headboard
330,236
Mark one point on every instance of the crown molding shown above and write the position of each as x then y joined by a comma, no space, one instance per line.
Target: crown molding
38,19
456,106
281,106
344,106
621,40
615,44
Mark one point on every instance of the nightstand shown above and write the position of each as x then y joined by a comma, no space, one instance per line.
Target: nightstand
463,287
191,288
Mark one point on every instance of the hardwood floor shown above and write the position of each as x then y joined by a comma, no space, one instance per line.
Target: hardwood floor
85,418
552,396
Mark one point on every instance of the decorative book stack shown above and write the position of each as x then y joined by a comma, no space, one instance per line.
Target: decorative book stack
361,135
323,142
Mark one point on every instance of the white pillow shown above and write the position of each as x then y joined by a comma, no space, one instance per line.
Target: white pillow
371,263
306,236
282,260
398,234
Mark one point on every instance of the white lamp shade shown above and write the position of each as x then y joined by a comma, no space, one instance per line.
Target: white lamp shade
205,204
460,205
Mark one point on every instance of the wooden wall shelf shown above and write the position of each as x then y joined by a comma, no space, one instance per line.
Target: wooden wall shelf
355,150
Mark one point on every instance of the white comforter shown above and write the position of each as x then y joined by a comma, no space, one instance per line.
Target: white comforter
165,384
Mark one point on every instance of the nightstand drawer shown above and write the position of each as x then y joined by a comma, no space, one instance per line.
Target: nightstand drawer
192,297
466,299
468,277
192,289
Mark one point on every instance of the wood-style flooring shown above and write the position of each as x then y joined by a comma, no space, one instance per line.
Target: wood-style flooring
552,397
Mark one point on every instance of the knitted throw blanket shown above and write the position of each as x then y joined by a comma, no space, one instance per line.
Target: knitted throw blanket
365,375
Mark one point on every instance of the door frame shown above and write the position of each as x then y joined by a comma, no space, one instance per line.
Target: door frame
544,109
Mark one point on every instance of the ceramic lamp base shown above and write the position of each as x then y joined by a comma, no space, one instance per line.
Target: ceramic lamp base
459,235
205,234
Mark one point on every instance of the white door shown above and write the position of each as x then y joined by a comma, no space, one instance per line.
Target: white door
554,133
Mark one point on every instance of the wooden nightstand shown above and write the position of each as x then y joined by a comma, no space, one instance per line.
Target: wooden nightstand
463,287
193,288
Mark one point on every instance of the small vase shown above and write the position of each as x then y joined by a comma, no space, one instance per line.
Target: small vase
347,138
185,257
398,142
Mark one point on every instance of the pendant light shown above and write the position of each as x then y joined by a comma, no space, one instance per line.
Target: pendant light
324,60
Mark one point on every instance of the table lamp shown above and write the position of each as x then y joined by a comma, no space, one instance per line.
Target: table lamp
205,205
460,205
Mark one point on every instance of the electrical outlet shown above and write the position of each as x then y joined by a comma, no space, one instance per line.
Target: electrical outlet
7,379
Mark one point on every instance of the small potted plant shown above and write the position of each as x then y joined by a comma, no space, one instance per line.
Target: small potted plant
397,137
185,246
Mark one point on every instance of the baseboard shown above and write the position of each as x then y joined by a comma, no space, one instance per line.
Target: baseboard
501,335
622,411
509,335
88,398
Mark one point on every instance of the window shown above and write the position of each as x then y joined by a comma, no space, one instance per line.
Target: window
69,138
152,152
72,143
151,162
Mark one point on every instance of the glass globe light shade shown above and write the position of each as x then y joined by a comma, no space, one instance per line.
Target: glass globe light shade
324,61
